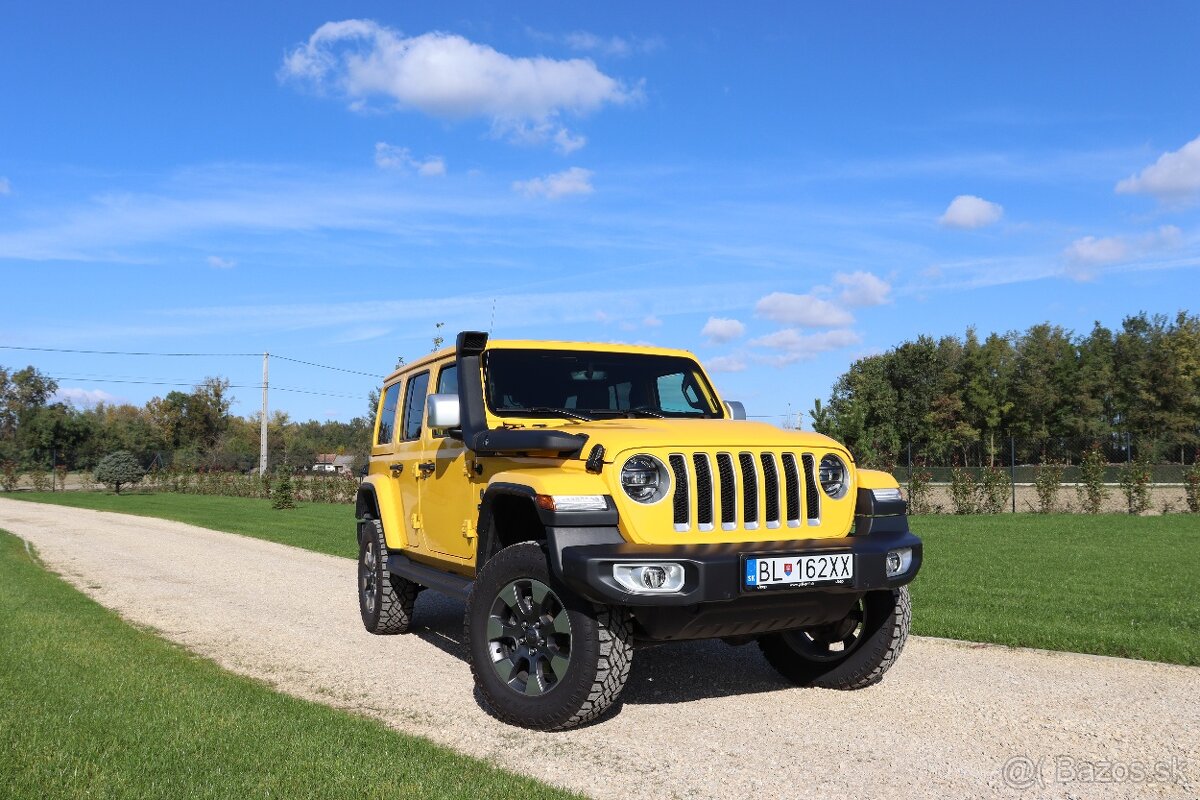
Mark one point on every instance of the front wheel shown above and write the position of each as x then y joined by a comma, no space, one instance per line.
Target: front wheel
852,653
542,657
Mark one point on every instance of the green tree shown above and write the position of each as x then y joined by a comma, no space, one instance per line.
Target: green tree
119,469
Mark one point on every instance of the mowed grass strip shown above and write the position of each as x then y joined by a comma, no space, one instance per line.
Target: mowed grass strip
322,527
93,707
1109,584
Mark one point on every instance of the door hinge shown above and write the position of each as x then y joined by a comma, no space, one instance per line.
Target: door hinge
416,521
468,529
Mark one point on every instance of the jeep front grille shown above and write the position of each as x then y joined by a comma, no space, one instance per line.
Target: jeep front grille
784,481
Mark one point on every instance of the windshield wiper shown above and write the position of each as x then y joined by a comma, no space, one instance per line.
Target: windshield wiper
559,412
632,412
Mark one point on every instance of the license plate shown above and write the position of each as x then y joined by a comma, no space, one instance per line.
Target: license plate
795,572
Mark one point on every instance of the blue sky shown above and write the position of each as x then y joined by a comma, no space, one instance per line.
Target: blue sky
781,188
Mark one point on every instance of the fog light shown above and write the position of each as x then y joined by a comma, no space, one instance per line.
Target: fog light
649,578
898,561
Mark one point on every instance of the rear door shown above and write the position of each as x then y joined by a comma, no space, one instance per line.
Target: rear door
407,455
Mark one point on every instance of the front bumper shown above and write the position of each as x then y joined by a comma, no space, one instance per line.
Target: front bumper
713,601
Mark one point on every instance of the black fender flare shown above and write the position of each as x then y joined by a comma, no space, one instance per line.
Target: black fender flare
366,504
562,528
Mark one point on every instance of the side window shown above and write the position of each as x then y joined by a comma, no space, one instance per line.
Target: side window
414,405
448,380
387,417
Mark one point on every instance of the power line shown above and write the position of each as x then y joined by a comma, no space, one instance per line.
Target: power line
326,366
126,353
229,386
186,355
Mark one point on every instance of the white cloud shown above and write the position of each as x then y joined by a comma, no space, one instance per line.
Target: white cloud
619,46
863,289
575,180
726,364
795,346
969,211
5,186
86,398
1092,251
216,262
720,330
651,321
802,309
1173,177
447,76
390,156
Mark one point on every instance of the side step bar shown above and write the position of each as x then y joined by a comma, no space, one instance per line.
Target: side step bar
453,585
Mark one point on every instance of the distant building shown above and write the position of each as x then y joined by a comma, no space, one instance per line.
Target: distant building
331,462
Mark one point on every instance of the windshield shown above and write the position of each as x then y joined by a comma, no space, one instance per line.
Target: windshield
590,385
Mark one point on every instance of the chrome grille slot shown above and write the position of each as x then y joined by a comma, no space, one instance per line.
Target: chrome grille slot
812,493
770,489
728,491
704,492
680,499
749,491
791,482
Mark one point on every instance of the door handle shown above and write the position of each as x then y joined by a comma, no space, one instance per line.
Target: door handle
426,468
397,468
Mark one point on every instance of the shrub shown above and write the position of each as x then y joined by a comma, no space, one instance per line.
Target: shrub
119,469
9,476
994,487
281,497
41,481
1047,481
1191,487
1091,490
964,491
918,491
1135,485
60,473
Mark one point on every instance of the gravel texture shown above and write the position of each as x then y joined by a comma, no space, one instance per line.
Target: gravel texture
698,720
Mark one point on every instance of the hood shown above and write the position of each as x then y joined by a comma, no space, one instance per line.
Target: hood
619,435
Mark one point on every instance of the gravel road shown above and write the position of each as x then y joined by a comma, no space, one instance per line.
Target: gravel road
699,720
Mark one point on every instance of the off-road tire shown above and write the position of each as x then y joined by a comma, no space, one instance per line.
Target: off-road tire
394,597
601,650
885,630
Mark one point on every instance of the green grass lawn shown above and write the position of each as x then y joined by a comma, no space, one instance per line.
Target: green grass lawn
93,707
323,527
1110,584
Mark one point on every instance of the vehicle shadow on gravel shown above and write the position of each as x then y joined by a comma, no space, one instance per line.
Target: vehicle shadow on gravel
670,673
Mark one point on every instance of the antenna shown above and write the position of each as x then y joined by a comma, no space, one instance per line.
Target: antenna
492,324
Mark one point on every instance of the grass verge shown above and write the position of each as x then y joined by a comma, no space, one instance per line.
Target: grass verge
1109,584
96,708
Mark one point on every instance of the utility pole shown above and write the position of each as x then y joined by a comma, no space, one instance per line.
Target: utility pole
262,433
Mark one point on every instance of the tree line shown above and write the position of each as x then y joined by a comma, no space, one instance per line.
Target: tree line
958,400
190,430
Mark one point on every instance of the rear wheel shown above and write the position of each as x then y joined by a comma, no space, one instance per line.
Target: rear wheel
385,601
542,658
852,653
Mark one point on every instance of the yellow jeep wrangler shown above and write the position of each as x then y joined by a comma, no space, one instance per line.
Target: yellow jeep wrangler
584,498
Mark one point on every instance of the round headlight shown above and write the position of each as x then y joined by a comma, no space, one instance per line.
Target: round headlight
644,479
833,476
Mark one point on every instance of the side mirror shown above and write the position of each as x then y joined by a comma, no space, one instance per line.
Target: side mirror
443,411
736,410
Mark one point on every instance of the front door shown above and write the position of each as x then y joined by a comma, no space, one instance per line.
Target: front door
447,508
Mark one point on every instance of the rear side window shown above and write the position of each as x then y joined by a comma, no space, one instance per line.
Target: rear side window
414,404
387,417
